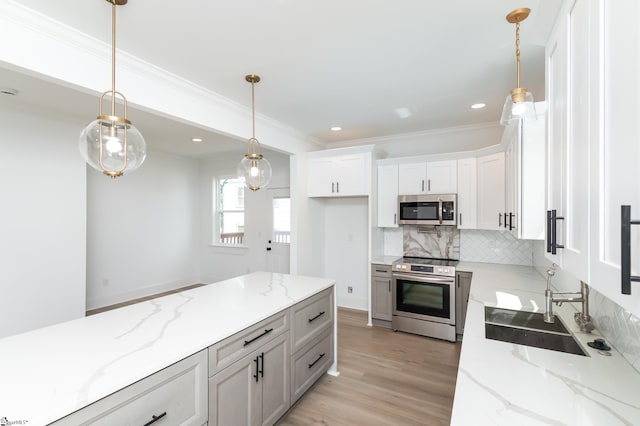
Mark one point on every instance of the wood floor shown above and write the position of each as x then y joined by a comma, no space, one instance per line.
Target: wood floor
386,378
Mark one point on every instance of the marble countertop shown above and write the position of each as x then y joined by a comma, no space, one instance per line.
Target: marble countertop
51,372
501,383
385,260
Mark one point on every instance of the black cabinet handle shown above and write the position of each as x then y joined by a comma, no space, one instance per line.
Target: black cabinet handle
261,356
382,270
257,368
316,361
389,286
247,342
505,220
395,217
429,185
337,186
316,317
625,252
499,220
460,219
422,185
333,187
155,418
548,231
554,234
511,215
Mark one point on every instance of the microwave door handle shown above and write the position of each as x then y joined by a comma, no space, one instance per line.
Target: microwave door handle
440,211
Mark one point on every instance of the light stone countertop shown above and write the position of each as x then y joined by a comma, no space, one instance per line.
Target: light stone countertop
501,383
51,372
385,260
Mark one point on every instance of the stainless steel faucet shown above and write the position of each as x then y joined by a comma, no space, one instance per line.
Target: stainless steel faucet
582,318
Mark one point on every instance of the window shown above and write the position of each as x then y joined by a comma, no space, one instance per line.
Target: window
229,216
281,220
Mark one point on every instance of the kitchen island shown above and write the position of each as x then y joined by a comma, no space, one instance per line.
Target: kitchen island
501,383
51,372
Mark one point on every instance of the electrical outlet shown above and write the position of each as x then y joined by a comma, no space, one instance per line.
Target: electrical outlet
349,289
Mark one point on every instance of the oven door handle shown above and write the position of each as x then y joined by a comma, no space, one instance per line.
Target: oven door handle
424,278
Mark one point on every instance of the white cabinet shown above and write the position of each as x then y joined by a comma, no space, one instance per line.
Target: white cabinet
525,167
340,176
614,145
388,196
570,52
176,395
433,177
467,193
491,191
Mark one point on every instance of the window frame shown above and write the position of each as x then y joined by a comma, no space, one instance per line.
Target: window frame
218,212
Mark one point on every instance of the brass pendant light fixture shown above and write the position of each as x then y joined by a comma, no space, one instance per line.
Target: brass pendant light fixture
254,169
519,103
110,143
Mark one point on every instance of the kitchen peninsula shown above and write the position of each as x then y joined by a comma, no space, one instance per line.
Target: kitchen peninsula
52,372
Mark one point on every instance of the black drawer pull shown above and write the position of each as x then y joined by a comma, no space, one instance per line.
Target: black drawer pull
155,418
316,317
257,368
382,270
316,361
247,342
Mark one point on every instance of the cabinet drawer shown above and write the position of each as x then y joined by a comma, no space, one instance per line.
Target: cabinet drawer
381,270
177,393
311,317
311,363
231,349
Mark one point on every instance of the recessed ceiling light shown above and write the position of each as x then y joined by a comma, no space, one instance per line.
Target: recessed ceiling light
478,105
196,140
8,91
403,112
336,128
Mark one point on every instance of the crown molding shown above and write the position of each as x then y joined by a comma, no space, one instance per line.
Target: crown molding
35,35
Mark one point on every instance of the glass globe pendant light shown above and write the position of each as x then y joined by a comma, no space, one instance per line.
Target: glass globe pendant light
519,103
111,143
254,170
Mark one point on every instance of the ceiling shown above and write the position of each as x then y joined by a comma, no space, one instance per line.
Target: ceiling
347,63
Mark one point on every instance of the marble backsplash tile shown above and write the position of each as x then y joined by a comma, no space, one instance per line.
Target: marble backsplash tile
494,247
442,242
620,328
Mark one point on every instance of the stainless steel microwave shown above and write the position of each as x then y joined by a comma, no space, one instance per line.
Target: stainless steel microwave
437,209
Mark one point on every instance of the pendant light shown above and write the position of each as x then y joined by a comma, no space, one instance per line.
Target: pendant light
254,169
519,103
110,143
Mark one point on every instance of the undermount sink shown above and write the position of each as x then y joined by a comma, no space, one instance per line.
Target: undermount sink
529,329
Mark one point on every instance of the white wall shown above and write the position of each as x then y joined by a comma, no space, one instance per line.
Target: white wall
346,253
219,263
42,220
142,230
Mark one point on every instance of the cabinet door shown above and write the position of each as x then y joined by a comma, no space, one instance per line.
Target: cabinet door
467,192
530,213
615,176
442,177
511,137
320,177
412,178
381,298
388,196
575,254
556,133
350,175
235,395
491,191
275,369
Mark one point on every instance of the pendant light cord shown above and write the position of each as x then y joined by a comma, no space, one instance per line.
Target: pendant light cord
518,53
113,57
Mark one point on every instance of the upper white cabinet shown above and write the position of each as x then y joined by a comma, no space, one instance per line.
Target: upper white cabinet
467,193
339,176
525,167
388,195
614,144
433,177
491,191
573,54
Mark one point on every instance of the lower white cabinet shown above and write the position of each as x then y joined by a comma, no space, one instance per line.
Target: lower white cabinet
253,390
176,395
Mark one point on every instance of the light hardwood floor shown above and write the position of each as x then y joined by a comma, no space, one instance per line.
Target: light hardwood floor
386,378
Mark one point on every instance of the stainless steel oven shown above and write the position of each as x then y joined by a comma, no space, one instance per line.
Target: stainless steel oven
423,297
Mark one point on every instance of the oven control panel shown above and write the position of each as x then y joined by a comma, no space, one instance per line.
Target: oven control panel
424,269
